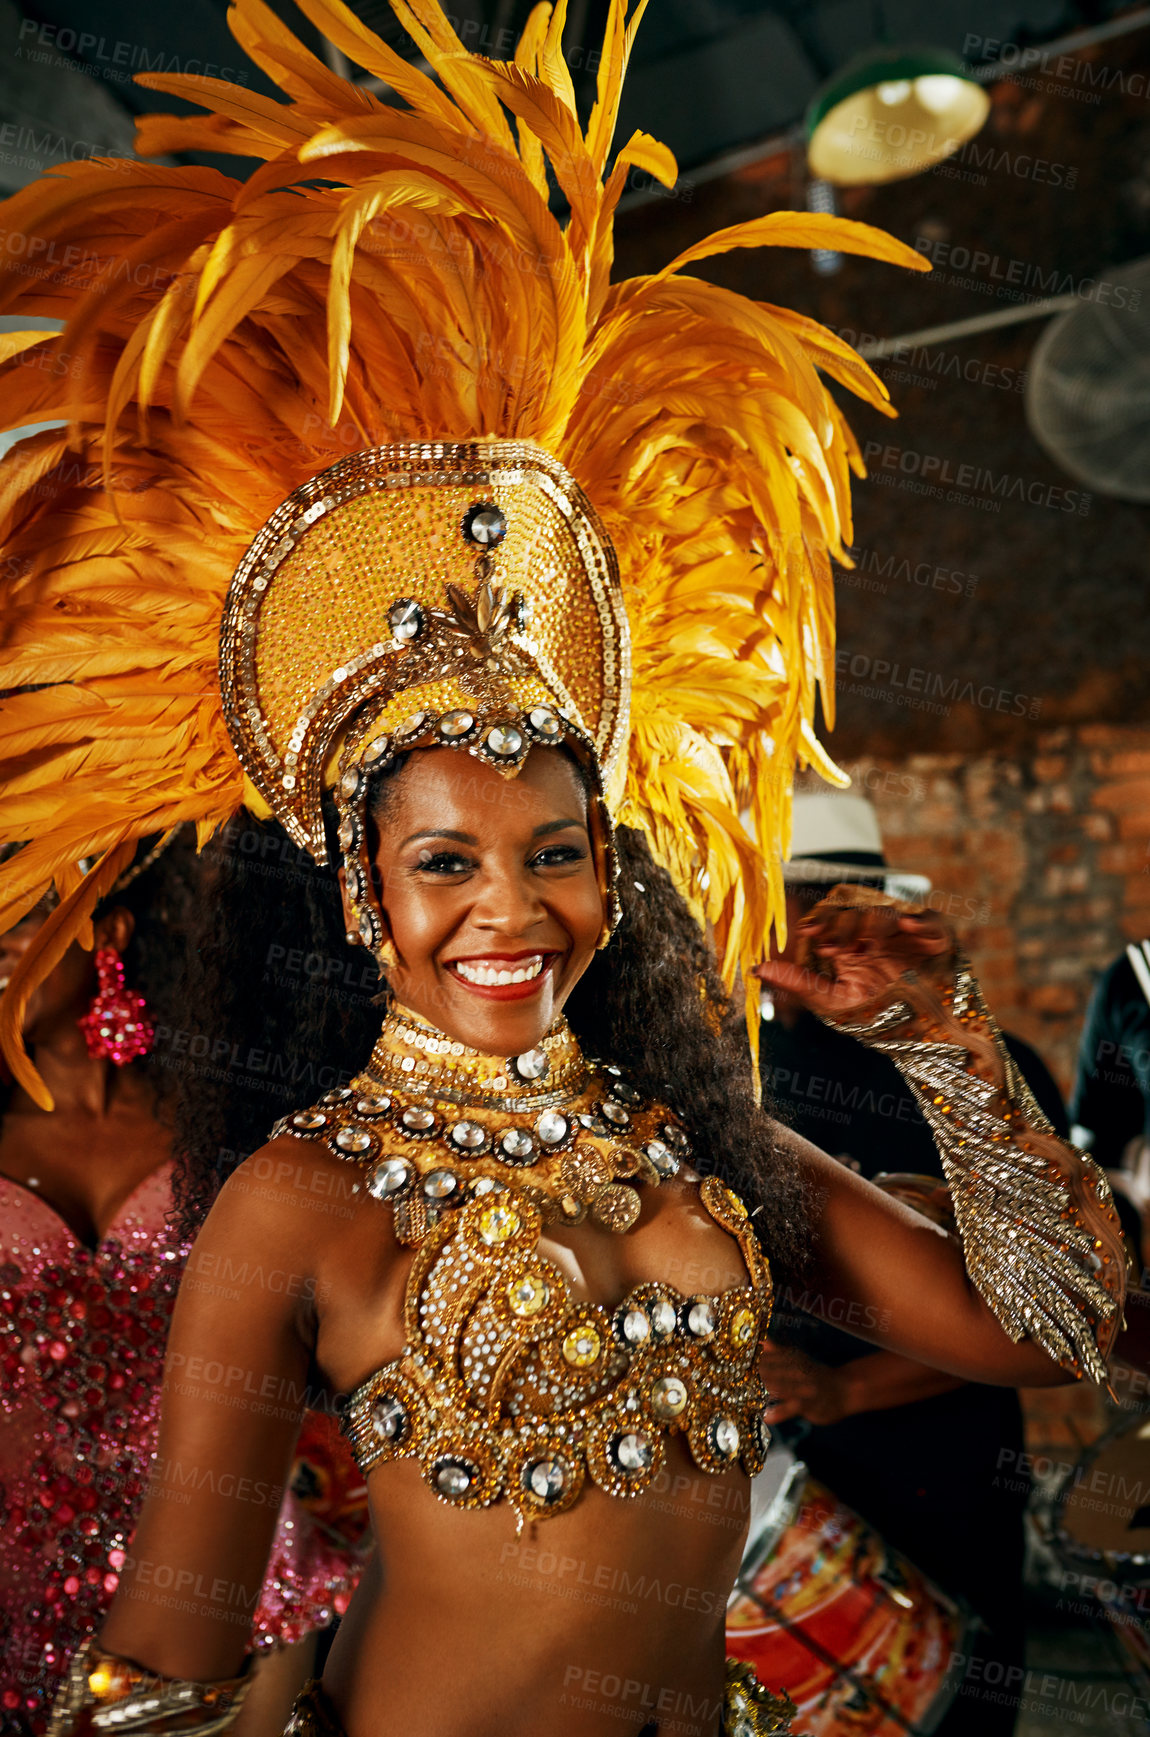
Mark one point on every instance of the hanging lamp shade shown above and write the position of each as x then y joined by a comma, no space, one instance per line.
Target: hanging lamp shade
891,113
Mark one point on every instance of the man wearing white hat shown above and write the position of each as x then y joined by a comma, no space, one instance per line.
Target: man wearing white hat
835,838
931,1462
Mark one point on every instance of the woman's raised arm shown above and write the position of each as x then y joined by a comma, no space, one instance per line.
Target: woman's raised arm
893,1278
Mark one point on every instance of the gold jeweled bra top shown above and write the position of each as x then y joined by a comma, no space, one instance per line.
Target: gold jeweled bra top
507,1386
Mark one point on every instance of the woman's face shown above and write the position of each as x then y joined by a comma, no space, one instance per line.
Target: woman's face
490,893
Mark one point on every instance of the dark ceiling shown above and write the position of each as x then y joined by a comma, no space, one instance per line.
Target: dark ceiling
708,76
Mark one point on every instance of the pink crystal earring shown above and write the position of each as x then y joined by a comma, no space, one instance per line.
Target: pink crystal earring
116,1026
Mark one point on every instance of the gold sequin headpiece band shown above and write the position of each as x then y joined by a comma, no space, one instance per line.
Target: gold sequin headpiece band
421,595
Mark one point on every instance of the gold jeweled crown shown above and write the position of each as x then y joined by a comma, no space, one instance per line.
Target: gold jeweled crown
461,593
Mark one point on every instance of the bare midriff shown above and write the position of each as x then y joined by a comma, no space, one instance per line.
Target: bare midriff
596,1621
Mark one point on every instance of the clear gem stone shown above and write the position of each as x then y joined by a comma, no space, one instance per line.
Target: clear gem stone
485,525
349,783
454,724
388,1418
552,1127
669,1396
633,1452
505,741
375,751
417,1120
353,882
453,1478
440,1184
346,834
309,1119
516,1144
532,1064
661,1157
405,619
366,931
545,722
352,1140
701,1319
547,1479
413,726
725,1437
373,1106
663,1318
468,1136
388,1177
615,1114
636,1326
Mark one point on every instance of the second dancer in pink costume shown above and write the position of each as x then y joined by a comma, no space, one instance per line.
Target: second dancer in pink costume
89,1268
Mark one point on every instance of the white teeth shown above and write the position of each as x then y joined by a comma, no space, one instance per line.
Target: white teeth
490,977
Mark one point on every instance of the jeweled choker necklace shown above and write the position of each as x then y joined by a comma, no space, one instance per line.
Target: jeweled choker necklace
413,1057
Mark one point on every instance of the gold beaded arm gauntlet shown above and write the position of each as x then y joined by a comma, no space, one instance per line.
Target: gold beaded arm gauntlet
1040,1236
105,1693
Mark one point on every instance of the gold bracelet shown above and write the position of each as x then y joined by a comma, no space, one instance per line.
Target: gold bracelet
127,1698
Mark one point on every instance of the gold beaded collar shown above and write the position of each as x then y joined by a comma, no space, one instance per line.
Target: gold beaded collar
415,1058
434,1124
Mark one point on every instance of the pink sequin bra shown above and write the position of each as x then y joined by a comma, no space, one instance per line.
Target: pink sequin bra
508,1387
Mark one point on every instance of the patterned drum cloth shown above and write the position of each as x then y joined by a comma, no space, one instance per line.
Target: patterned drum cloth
825,1611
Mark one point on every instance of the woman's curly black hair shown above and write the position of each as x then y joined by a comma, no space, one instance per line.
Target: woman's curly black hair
280,1009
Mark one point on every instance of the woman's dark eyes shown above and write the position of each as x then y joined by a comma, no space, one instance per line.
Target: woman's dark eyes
450,862
445,862
558,854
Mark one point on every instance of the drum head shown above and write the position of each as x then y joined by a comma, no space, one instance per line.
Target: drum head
1102,1510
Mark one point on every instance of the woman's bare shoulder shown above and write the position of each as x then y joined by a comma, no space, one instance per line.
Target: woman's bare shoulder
294,1191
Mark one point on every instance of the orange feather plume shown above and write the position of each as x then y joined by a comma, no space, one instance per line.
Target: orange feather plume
388,273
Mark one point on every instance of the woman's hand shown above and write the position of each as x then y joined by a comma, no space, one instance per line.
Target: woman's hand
800,1387
854,946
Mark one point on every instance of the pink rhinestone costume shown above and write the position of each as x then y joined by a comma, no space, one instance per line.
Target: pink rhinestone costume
82,1334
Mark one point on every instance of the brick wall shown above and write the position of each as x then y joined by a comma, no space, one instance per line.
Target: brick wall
1041,858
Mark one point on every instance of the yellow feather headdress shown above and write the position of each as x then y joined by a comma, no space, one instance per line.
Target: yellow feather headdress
396,274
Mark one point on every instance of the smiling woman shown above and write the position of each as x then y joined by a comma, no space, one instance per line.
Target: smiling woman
524,1230
489,893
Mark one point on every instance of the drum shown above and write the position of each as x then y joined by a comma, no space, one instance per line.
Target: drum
860,1640
1098,1523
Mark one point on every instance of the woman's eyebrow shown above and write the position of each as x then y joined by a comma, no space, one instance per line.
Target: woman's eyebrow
557,826
543,831
441,832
